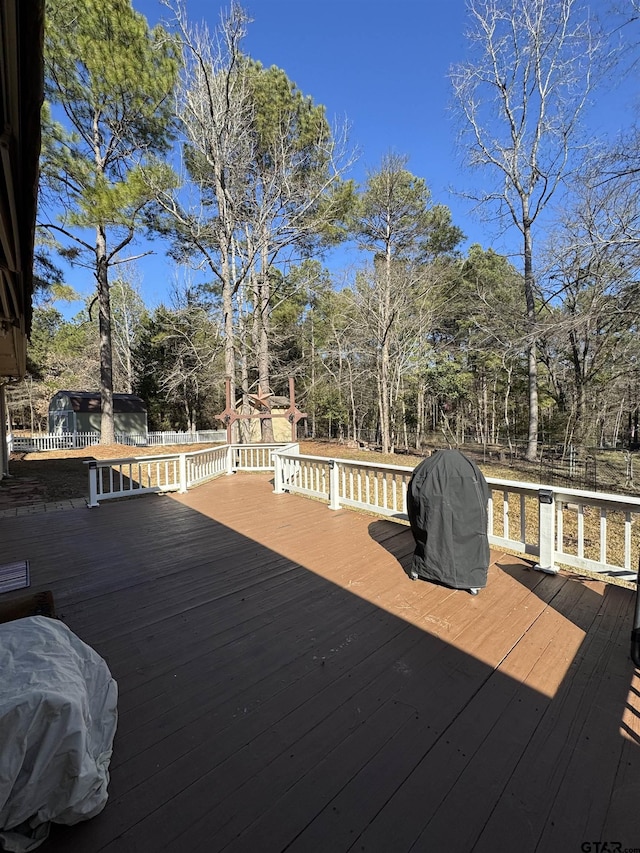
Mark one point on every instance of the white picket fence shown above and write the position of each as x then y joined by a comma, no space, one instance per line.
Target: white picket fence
211,436
53,441
556,526
73,440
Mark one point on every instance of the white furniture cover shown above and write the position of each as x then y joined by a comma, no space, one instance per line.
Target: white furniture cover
58,715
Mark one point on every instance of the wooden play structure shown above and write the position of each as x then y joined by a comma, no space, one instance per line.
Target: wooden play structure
261,403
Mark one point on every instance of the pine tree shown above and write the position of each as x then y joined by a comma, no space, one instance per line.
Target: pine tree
109,79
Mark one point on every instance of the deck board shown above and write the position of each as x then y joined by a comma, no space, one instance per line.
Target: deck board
285,686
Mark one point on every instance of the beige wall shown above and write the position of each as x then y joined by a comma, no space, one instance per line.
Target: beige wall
281,428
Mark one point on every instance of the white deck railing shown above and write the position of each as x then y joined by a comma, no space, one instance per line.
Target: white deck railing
595,531
345,482
173,472
557,526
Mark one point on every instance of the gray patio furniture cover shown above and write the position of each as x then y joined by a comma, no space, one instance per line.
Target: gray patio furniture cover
58,714
447,506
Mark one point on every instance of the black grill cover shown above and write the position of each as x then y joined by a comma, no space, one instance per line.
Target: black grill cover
447,507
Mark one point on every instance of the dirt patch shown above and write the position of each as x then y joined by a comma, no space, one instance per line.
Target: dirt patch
54,475
349,450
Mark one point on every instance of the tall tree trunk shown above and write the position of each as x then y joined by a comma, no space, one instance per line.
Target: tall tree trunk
352,401
494,418
385,410
580,387
229,333
485,409
245,425
264,379
128,360
225,246
107,429
129,371
532,441
263,308
313,377
381,413
405,433
507,392
31,411
420,418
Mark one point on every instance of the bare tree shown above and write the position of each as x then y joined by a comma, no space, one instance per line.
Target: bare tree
520,95
593,262
187,346
397,223
261,160
216,115
127,313
392,321
297,196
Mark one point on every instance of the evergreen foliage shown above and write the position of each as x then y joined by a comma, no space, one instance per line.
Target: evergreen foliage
108,79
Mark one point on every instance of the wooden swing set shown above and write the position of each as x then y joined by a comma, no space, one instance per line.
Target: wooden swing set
262,405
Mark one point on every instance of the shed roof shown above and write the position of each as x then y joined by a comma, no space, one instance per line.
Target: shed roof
90,401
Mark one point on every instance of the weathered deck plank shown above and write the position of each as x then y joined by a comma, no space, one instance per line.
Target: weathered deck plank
285,686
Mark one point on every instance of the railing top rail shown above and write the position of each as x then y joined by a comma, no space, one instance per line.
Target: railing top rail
356,463
106,463
513,485
566,494
275,444
175,455
582,496
202,451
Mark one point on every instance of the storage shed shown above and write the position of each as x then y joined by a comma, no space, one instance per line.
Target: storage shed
80,411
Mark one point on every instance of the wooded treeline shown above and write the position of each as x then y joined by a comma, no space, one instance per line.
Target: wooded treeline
422,335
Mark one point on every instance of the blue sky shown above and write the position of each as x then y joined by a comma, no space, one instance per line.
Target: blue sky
380,64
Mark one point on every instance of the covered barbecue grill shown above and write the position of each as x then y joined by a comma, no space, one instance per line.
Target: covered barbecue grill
447,507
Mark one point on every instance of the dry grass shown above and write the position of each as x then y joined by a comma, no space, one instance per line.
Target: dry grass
62,474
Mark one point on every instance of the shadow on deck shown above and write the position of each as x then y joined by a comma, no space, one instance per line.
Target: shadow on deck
284,686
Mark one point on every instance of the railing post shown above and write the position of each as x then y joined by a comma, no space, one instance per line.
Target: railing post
635,631
182,467
334,485
546,532
278,463
93,484
229,459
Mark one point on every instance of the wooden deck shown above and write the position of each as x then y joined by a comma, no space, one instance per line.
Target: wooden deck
285,686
